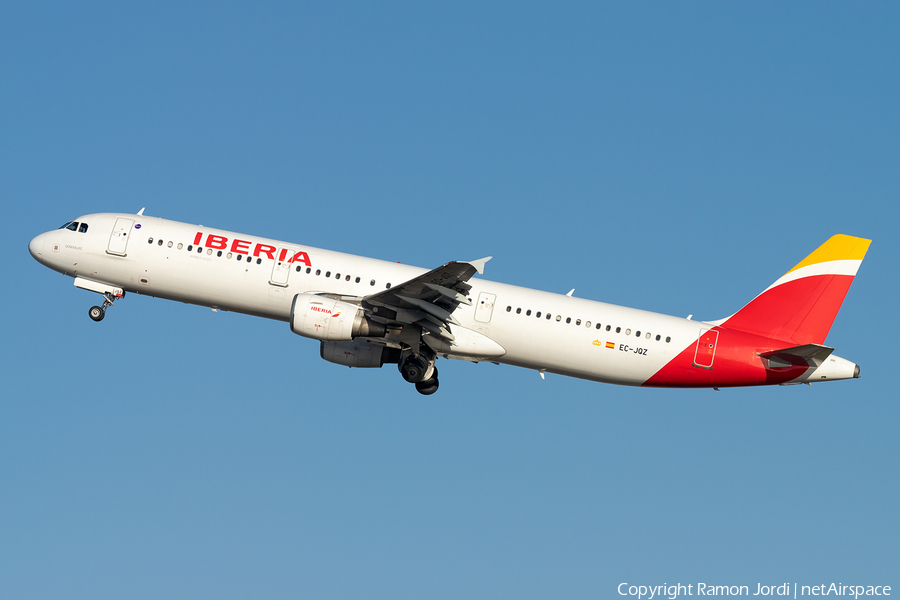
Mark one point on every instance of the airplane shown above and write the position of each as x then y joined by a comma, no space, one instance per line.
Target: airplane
367,312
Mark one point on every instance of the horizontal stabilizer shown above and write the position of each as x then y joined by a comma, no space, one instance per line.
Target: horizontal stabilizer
809,354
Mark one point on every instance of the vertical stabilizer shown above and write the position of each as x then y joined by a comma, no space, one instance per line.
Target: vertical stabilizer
801,306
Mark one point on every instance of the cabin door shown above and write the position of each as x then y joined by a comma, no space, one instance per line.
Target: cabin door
118,240
485,307
281,270
706,349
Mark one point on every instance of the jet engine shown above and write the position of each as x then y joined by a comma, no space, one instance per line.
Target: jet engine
329,320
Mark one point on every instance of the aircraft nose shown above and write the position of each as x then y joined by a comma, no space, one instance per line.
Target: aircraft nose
36,246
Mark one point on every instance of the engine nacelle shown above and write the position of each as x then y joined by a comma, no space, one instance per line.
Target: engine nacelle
329,320
358,354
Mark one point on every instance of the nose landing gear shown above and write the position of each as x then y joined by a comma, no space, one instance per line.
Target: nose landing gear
98,312
110,295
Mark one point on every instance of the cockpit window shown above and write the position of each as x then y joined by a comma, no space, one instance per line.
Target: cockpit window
83,228
73,226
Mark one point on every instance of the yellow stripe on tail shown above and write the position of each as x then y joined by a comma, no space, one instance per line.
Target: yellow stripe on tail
800,307
838,247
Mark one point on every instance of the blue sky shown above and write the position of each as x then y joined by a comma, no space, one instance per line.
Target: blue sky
676,157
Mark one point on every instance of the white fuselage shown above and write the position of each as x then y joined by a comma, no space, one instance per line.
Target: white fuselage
162,259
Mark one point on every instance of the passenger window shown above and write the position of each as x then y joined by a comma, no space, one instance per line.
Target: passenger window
318,272
149,240
159,243
308,270
598,326
298,269
618,329
608,327
347,278
209,252
199,250
588,324
568,319
558,318
637,334
170,245
180,245
549,316
190,247
249,258
219,253
668,339
259,261
528,313
518,311
83,228
372,282
627,331
538,315
357,280
337,276
578,322
658,337
509,309
647,336
387,286
327,273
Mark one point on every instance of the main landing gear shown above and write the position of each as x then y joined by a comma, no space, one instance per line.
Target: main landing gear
420,370
429,386
98,312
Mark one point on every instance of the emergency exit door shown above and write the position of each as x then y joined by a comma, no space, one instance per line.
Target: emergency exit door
118,240
706,349
485,307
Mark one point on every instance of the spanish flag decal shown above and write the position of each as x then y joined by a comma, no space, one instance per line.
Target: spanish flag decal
610,345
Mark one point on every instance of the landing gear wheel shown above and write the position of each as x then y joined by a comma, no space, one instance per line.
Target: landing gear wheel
98,312
428,387
434,376
413,369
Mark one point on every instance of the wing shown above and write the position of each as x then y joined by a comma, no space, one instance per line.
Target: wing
427,301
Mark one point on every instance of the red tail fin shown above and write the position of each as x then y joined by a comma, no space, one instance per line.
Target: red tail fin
801,306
